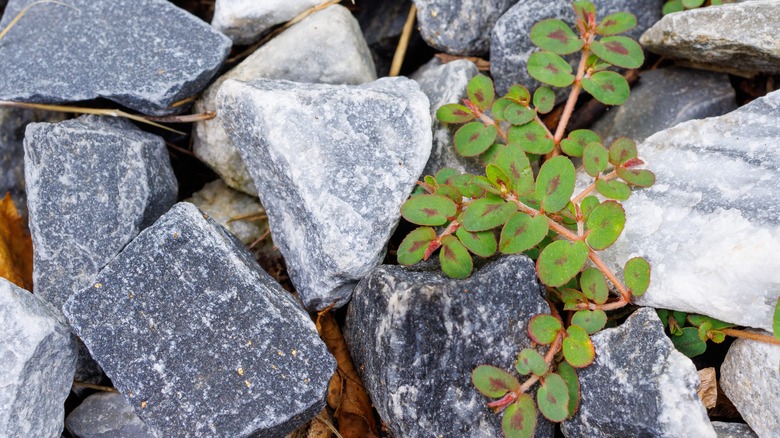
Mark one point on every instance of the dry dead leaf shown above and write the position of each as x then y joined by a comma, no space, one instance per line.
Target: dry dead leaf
16,256
708,388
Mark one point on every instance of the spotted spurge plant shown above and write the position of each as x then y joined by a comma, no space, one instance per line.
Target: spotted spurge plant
513,208
682,5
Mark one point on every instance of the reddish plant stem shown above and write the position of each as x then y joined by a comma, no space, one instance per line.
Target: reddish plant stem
573,96
555,347
613,305
752,336
436,244
588,190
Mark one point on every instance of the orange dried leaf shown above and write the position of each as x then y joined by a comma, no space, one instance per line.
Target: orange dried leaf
15,246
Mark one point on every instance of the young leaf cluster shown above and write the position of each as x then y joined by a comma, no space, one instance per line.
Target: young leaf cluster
682,5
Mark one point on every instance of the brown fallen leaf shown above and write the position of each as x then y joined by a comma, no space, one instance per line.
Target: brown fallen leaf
16,257
708,388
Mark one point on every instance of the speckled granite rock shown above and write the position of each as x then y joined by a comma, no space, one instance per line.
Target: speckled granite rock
639,385
38,359
416,335
224,204
198,338
733,430
333,165
326,47
92,184
750,378
244,21
91,49
106,415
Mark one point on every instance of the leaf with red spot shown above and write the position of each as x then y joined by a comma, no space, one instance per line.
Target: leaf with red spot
569,375
515,164
555,36
607,87
522,232
454,113
467,185
636,274
474,138
412,248
578,349
544,99
520,418
595,159
616,23
621,150
591,320
636,177
518,114
555,183
587,205
553,398
481,243
531,137
583,9
499,106
519,94
493,382
620,51
529,361
543,329
560,261
481,92
498,177
605,224
487,213
550,68
430,210
455,258
613,189
575,143
594,285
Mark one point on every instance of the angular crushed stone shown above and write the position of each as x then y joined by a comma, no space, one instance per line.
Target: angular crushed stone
105,415
225,205
244,21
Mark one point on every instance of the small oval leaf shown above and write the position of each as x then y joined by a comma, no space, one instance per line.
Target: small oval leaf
493,382
481,92
531,137
517,114
613,189
513,161
412,248
481,243
578,349
605,224
636,274
591,320
555,183
455,258
569,376
474,138
487,213
616,23
575,143
560,261
689,343
530,361
543,329
430,210
595,159
607,87
522,232
553,398
621,51
555,36
519,94
594,285
520,418
467,185
544,99
622,150
587,205
549,68
636,177
454,113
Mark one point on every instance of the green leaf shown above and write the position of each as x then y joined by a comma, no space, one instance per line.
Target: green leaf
499,106
622,150
450,192
444,175
672,6
412,248
575,143
591,320
595,159
454,258
704,328
607,87
587,205
569,376
555,36
550,68
487,213
474,138
430,210
544,99
513,161
467,185
613,189
776,320
572,298
560,261
543,329
531,137
717,337
637,276
637,177
485,183
493,382
481,92
489,156
578,349
616,23
715,324
519,94
555,183
605,224
583,9
454,113
553,398
522,232
517,114
481,243
688,343
692,4
497,176
530,361
520,418
594,285
621,51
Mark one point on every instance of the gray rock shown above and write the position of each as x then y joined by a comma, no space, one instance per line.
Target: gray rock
92,184
245,21
106,415
709,226
326,47
198,338
39,356
224,205
736,38
665,97
333,165
443,84
416,335
91,49
639,385
750,378
733,430
510,43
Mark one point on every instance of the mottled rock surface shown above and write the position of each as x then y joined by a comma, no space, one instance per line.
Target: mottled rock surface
709,226
244,21
198,338
733,430
416,335
92,184
750,378
106,415
733,38
91,49
224,205
333,165
639,385
38,360
326,47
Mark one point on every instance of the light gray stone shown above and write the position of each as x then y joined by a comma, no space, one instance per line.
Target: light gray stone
38,360
333,165
639,385
750,378
326,47
198,338
245,21
106,415
733,430
224,205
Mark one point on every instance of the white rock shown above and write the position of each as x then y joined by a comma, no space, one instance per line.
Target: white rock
224,204
244,21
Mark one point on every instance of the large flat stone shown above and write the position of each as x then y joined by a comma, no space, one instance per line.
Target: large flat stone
244,21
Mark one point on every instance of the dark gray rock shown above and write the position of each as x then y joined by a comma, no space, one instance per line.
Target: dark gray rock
106,415
639,385
416,335
510,44
198,338
244,21
92,184
91,49
38,355
665,97
733,430
333,165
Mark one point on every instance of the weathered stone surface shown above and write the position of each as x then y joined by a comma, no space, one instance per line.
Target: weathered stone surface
732,37
333,165
326,47
224,205
709,226
39,356
92,184
639,385
416,335
106,415
510,43
244,21
750,378
733,430
198,338
665,97
90,49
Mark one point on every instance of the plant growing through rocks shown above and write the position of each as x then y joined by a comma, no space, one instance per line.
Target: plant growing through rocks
682,5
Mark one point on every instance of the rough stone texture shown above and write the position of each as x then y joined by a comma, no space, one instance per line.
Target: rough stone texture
92,49
416,335
326,47
443,84
333,165
245,21
665,97
750,378
106,415
709,226
38,359
92,184
224,204
733,430
510,43
639,385
459,27
734,38
198,338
